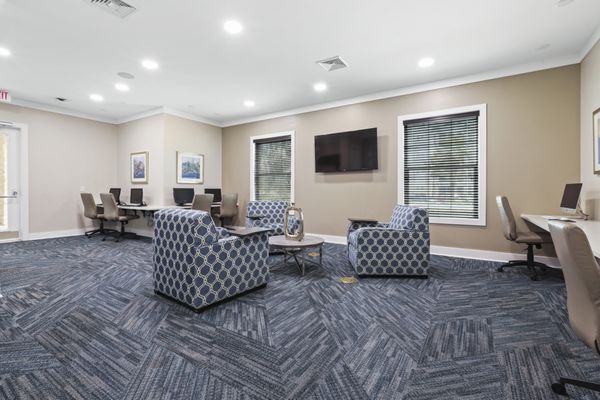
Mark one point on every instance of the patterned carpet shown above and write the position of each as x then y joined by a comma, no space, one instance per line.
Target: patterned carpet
79,320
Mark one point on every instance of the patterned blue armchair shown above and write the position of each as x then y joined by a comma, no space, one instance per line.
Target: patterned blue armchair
269,214
197,265
400,247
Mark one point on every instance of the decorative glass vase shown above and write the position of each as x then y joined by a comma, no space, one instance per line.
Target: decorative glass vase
296,231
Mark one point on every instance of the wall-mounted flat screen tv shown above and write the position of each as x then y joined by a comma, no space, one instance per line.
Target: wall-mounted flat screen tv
346,151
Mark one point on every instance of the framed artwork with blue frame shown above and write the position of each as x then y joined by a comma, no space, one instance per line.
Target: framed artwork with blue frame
139,167
190,168
596,127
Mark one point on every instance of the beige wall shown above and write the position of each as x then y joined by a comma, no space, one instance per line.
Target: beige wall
162,136
533,149
147,134
189,136
590,101
65,153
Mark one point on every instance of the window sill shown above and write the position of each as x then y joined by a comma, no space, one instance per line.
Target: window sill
457,221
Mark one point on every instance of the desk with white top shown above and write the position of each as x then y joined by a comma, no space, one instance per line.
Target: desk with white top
590,228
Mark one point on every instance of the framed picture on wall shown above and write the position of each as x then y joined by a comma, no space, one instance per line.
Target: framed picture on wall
596,127
139,167
190,168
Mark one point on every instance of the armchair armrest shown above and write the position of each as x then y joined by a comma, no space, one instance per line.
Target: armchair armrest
357,223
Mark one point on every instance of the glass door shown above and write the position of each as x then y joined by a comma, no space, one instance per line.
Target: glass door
9,183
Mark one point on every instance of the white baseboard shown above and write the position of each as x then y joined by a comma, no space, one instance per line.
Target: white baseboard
474,254
488,255
11,240
56,234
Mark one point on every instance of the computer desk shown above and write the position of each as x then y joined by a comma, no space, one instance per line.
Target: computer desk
590,228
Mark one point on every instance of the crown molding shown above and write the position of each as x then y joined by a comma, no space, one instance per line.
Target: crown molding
169,111
590,44
193,117
59,110
479,77
134,117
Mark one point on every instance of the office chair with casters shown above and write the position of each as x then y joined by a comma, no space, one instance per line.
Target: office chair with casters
202,202
531,239
90,211
582,279
228,207
111,213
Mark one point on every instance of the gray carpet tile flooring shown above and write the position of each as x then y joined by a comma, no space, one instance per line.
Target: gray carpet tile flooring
79,320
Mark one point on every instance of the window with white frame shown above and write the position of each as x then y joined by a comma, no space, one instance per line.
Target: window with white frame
272,167
441,164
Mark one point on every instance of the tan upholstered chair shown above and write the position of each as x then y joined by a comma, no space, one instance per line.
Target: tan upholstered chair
531,239
582,278
229,208
202,202
90,210
111,213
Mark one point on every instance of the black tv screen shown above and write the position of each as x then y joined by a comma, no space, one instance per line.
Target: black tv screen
346,151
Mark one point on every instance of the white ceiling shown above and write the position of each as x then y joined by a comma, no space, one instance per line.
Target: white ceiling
70,49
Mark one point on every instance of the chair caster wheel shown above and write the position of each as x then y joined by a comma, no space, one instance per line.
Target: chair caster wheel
535,278
559,388
103,239
500,269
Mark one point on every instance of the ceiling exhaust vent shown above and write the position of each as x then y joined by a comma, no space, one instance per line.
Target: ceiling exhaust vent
115,7
333,63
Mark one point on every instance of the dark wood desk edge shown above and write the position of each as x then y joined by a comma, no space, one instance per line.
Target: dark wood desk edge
374,221
247,231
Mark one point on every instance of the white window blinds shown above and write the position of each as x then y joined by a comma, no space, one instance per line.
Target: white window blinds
441,165
273,168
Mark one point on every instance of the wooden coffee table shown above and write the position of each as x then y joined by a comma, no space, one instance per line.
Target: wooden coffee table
290,247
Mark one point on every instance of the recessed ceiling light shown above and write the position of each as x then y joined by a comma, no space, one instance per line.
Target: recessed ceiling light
426,62
4,52
249,103
125,75
150,64
233,27
320,87
96,97
562,3
122,87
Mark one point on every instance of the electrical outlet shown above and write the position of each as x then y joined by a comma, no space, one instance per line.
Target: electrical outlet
82,188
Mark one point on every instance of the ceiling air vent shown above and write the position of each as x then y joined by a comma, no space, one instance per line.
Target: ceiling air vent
333,63
115,7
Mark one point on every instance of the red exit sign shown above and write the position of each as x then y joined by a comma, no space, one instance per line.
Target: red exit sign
4,96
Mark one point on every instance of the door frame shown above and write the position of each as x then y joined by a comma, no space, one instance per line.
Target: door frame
23,179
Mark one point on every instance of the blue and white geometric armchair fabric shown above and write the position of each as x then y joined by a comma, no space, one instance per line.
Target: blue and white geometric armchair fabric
197,266
400,247
269,214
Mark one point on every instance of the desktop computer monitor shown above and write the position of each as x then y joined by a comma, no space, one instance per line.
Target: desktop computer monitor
183,196
116,192
136,196
216,193
570,199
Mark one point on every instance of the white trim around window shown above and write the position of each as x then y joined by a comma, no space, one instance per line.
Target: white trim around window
253,140
482,135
